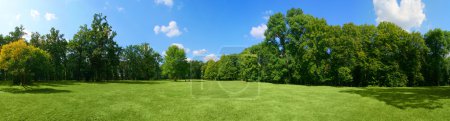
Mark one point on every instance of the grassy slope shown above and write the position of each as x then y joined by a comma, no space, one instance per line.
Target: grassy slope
130,100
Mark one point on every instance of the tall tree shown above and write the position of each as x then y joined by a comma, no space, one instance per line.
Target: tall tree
175,65
93,51
56,46
438,41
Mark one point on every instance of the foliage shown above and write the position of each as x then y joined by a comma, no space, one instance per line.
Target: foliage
175,65
139,62
24,62
93,53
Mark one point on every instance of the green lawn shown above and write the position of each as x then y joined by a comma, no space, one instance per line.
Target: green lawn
225,100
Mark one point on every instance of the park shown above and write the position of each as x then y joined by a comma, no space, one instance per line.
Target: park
297,65
169,100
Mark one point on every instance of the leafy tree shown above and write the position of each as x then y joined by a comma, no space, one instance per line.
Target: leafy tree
438,42
78,55
175,65
249,66
210,70
93,52
23,62
195,69
55,44
139,62
228,67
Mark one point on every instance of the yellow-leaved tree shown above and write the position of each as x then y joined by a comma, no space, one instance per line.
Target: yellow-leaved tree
24,63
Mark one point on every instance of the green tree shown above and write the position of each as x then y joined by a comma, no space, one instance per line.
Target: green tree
438,42
25,63
228,67
195,69
175,65
56,46
210,70
139,62
93,52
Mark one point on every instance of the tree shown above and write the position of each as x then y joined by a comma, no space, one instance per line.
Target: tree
175,65
228,67
195,69
24,62
249,65
139,62
210,70
93,52
55,44
78,55
438,42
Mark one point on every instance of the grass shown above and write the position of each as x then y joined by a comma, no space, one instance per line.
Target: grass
228,100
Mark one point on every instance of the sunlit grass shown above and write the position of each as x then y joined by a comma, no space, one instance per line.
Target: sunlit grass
224,100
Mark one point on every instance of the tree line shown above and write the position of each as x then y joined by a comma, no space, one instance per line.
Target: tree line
302,49
298,49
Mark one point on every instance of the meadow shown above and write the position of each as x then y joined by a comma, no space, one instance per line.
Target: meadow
219,100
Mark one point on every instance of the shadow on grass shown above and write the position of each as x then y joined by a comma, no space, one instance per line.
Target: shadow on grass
33,91
57,83
131,82
403,98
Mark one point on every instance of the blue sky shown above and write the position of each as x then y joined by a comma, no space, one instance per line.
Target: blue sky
207,26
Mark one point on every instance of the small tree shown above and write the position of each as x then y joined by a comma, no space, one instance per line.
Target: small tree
175,64
23,62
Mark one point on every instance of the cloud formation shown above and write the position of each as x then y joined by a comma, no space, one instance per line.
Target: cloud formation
210,57
258,31
171,30
187,50
50,16
199,52
168,3
34,14
409,14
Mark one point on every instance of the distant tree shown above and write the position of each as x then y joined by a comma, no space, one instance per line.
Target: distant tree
249,64
140,62
15,35
23,62
195,69
210,70
228,67
175,65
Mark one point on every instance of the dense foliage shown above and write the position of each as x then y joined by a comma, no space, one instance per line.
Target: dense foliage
303,49
298,49
24,63
175,65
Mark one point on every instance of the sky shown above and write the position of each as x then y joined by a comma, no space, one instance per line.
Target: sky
208,28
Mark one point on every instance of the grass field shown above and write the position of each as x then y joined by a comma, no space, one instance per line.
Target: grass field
225,100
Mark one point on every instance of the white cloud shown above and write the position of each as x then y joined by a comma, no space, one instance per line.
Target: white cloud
171,30
156,29
34,14
18,16
187,50
50,16
258,32
199,52
210,57
409,14
120,9
27,35
168,3
189,59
